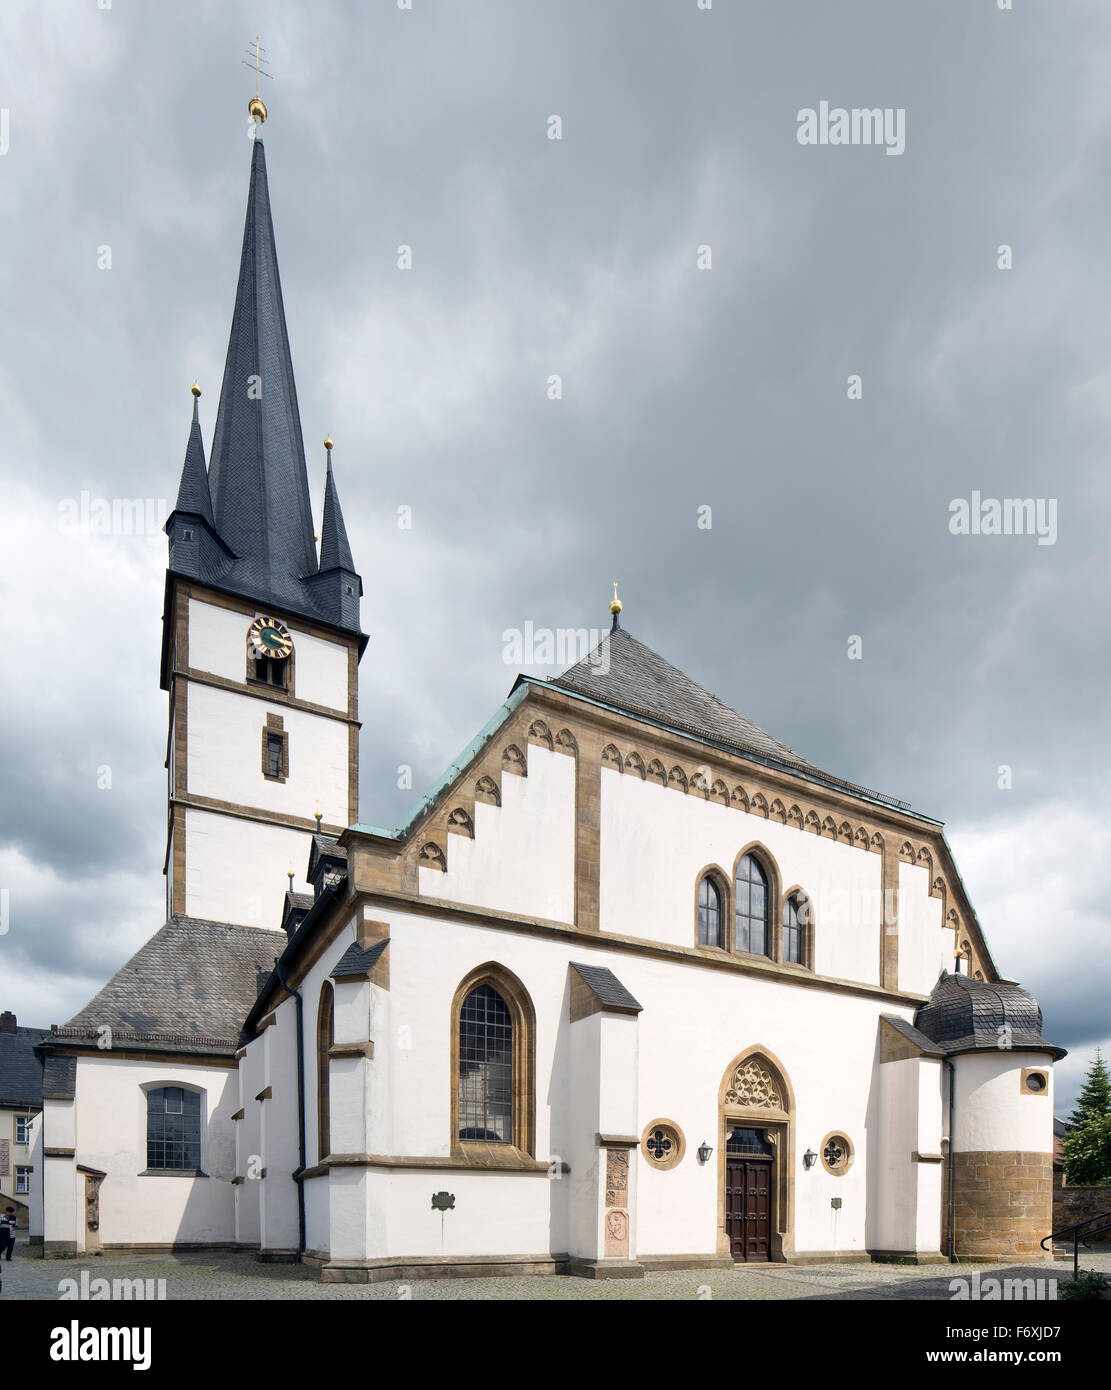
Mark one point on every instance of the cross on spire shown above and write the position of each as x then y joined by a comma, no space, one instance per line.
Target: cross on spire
256,62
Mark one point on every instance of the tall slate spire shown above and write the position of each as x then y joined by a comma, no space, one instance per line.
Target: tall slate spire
260,492
245,526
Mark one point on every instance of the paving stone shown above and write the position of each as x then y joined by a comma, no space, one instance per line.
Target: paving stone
200,1276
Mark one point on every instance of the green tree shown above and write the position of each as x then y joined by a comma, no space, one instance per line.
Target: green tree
1087,1153
1094,1101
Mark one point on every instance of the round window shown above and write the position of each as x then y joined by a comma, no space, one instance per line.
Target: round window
1035,1081
662,1144
836,1154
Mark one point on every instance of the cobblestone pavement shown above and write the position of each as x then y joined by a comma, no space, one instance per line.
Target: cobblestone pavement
202,1276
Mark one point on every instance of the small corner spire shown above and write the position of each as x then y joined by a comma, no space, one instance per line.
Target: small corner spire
615,607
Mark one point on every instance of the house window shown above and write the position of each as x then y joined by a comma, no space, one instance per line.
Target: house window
22,1181
796,920
485,1068
275,749
23,1129
174,1128
272,671
709,913
753,921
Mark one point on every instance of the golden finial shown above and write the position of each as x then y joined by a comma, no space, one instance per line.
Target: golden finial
256,107
319,814
328,442
289,875
615,606
196,390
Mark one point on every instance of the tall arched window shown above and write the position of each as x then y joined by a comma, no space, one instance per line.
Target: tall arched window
485,1068
174,1129
494,1062
710,916
796,922
325,1037
753,919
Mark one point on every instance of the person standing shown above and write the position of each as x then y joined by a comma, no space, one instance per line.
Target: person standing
7,1232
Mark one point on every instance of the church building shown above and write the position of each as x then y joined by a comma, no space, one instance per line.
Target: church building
636,986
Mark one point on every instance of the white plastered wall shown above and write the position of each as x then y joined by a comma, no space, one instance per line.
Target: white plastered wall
110,1134
905,1196
522,857
695,1021
225,755
925,946
654,842
218,646
993,1111
218,849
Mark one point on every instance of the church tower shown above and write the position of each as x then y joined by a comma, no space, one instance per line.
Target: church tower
261,638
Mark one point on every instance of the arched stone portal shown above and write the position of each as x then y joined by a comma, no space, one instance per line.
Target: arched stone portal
756,1094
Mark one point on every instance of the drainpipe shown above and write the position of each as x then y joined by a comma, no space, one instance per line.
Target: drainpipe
949,1239
298,1175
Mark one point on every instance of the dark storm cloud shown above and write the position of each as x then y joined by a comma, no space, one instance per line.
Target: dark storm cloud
682,388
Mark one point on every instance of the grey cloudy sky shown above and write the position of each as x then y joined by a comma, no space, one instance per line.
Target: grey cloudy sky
683,388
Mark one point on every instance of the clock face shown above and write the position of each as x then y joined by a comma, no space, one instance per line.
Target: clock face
269,637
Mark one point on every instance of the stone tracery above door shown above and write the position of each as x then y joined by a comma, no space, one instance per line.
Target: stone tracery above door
752,1085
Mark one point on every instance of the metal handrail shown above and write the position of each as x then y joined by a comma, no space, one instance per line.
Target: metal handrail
1078,1239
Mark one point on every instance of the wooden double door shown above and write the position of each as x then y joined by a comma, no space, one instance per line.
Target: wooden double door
748,1197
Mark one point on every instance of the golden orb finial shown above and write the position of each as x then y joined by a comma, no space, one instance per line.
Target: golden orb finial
196,390
616,605
328,442
256,62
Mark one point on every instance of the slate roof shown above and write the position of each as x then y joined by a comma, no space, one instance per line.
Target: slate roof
335,550
926,1045
255,496
20,1068
59,1077
611,993
358,960
188,989
624,673
193,496
966,1015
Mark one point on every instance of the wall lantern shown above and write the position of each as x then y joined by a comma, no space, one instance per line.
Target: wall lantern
809,1158
704,1152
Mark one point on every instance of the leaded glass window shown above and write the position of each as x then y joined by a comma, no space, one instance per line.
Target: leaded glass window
753,924
173,1128
748,1141
796,918
709,913
485,1068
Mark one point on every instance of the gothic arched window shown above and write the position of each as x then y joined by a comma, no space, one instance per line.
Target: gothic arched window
493,1027
711,921
753,917
325,1037
796,925
485,1068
